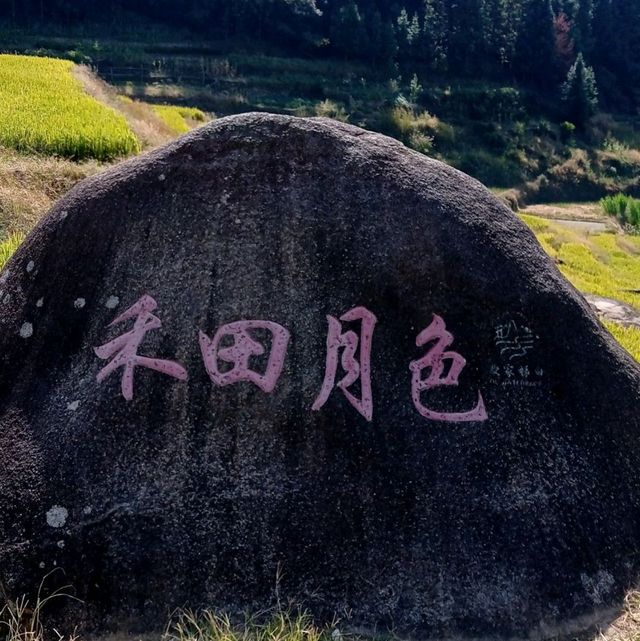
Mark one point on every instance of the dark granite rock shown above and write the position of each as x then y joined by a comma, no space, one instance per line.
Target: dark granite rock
507,505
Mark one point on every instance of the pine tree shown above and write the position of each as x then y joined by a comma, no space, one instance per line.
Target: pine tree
536,58
565,44
382,36
580,93
435,32
403,23
581,15
348,33
502,31
467,28
414,34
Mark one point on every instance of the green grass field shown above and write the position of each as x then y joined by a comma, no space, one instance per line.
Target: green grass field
44,109
603,264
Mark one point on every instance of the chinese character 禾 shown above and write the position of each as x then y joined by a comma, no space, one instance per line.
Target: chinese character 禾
124,349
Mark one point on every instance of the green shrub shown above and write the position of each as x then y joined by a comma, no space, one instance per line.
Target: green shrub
330,109
416,130
625,208
421,142
494,170
567,129
614,145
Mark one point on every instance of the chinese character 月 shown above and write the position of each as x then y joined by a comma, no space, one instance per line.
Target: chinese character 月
434,360
356,369
124,349
240,353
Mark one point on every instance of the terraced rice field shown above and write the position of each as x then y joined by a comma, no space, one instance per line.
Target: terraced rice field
44,109
604,264
180,119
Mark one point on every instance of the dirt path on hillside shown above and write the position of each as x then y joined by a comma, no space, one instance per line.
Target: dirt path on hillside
614,310
148,127
568,211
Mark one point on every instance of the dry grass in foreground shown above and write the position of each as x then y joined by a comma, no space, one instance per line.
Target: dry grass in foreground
280,625
627,626
30,185
20,622
23,621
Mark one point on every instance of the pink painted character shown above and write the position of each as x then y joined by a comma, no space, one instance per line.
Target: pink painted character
124,349
240,353
355,368
434,361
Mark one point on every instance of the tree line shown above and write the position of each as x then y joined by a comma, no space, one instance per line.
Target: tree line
539,43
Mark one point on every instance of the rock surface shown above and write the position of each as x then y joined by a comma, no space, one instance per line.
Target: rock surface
316,445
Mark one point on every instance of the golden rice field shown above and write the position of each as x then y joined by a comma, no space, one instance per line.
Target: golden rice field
604,264
44,109
180,119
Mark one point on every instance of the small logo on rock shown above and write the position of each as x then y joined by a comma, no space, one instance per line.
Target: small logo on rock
57,516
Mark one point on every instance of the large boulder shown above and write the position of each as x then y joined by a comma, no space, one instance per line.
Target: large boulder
290,356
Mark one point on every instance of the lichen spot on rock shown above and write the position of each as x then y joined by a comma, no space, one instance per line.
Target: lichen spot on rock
40,302
112,302
26,331
30,266
79,303
57,516
73,406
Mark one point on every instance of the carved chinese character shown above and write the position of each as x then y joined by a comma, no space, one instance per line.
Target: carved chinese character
240,353
357,368
124,349
434,361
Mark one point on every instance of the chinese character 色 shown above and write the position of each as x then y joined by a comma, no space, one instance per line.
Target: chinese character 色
434,361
